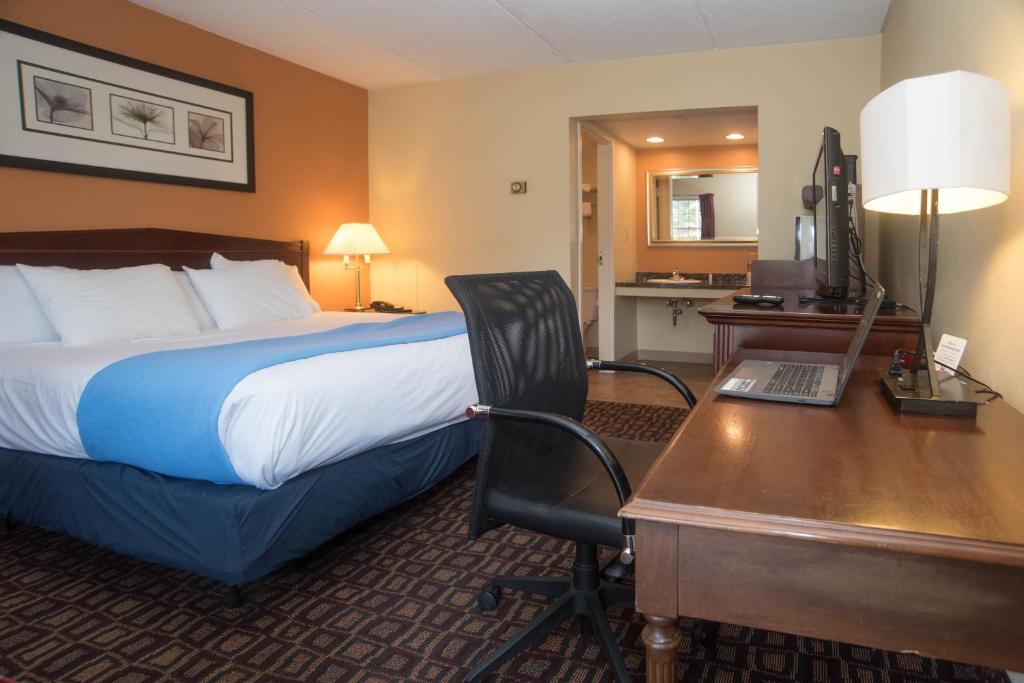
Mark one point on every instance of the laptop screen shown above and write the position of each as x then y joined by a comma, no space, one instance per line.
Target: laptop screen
867,318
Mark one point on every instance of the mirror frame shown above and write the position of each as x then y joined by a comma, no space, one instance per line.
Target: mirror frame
725,242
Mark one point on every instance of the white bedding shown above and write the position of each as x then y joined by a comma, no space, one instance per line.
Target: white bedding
278,422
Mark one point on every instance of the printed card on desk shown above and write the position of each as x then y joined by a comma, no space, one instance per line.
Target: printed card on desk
949,353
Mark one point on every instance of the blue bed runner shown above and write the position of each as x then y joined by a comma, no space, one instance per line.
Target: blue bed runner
160,411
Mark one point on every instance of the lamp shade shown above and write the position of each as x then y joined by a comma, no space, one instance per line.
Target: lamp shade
950,132
356,238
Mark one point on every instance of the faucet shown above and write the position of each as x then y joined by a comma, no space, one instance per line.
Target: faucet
675,273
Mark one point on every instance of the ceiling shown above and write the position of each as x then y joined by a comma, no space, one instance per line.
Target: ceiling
382,43
691,128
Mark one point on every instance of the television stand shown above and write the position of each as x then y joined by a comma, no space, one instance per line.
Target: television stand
818,299
812,327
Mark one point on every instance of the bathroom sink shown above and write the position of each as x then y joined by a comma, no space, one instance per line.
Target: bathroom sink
670,281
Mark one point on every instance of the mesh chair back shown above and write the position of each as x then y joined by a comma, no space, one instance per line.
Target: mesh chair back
527,349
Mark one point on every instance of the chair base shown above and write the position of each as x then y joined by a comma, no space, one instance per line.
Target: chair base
583,595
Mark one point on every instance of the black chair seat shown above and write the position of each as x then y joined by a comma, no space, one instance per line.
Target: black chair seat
580,502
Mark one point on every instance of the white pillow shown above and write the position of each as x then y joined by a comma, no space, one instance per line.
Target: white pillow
118,305
251,293
23,320
218,262
206,322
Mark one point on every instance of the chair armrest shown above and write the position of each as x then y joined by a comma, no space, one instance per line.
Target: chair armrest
590,439
676,383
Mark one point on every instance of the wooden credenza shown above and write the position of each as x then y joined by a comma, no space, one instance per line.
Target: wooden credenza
796,327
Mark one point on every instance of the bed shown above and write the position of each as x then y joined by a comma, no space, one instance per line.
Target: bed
358,442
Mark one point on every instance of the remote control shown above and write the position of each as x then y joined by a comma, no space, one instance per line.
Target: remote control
770,299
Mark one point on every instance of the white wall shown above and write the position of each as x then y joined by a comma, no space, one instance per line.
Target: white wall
442,154
692,340
624,181
980,252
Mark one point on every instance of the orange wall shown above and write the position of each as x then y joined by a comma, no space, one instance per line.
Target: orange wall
310,148
688,259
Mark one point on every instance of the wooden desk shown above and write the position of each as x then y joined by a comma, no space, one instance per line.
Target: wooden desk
849,523
812,327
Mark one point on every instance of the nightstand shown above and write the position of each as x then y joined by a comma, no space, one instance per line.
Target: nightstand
399,311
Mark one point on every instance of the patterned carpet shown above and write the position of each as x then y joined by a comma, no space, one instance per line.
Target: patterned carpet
391,601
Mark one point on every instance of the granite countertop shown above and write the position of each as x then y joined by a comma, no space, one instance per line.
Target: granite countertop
717,281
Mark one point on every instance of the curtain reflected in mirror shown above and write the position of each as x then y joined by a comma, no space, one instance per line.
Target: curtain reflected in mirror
702,205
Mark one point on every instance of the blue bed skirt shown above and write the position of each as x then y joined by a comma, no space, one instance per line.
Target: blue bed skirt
232,533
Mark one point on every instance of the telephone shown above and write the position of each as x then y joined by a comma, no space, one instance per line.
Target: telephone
385,307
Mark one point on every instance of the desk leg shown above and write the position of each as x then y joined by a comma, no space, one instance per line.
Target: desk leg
662,637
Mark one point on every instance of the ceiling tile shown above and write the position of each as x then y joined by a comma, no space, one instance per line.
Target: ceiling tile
741,23
458,38
381,43
292,33
588,30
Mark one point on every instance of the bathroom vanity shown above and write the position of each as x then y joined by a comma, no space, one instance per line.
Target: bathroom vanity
665,305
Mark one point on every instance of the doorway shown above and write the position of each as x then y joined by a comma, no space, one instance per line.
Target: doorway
669,196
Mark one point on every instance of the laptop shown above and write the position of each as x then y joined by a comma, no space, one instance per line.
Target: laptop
813,383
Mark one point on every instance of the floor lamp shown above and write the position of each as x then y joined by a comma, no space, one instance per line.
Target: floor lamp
934,145
359,240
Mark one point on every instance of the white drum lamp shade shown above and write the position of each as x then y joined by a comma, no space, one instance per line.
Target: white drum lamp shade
356,239
933,145
949,132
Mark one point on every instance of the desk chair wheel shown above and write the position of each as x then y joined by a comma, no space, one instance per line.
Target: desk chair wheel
233,598
489,599
705,633
616,572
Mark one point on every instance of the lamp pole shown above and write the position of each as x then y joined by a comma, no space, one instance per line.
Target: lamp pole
928,249
358,267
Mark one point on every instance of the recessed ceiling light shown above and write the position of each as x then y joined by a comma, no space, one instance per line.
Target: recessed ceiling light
735,136
655,138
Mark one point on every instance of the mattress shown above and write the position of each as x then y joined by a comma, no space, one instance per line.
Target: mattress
276,423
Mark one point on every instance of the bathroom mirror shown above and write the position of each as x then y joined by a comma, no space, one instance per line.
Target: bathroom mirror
702,207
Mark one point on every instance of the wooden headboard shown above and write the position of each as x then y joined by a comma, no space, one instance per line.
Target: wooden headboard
117,248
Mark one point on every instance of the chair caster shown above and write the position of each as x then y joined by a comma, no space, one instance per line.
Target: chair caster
489,599
705,633
233,597
616,572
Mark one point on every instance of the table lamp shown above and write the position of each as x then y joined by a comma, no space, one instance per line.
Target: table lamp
933,145
356,239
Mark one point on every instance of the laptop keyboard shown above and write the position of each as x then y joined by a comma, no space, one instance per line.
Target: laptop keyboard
795,379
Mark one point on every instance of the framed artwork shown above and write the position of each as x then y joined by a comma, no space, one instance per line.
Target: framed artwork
69,107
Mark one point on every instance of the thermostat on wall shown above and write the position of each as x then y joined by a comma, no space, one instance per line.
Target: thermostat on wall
518,187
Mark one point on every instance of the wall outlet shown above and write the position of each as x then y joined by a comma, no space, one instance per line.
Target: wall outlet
518,187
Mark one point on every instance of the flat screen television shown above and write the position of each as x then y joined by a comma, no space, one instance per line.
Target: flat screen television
831,218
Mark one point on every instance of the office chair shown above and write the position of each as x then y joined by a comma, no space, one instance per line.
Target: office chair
539,468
